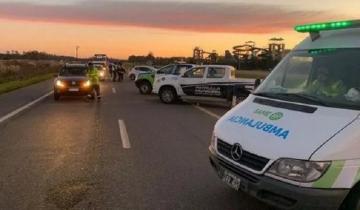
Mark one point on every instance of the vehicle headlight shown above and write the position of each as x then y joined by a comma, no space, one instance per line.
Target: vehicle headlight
299,170
87,84
213,141
60,84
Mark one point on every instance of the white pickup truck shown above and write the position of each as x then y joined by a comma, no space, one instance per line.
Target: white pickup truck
202,82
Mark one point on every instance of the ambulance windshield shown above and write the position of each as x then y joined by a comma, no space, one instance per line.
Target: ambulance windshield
328,77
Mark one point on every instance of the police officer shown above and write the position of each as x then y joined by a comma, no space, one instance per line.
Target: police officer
93,75
121,72
111,70
328,86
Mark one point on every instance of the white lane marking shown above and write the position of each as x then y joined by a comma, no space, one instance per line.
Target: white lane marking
124,135
212,114
114,90
26,106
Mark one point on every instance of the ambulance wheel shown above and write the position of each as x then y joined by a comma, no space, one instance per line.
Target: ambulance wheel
132,77
167,95
145,88
353,200
56,96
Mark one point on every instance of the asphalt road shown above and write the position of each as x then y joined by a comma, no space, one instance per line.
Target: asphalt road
70,155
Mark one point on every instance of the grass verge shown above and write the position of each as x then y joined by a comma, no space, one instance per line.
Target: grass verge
13,85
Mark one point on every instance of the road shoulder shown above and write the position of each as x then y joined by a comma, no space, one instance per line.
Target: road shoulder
15,99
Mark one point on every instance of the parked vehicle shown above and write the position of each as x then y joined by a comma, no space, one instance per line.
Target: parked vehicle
294,142
134,72
144,81
102,67
72,80
211,81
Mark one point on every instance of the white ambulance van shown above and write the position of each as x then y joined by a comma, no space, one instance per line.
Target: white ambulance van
294,143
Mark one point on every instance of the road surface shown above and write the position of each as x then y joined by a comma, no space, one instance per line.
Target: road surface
128,152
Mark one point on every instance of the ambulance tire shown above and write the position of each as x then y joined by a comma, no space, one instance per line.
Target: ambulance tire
353,200
168,95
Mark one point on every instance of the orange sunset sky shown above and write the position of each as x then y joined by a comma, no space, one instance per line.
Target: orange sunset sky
121,28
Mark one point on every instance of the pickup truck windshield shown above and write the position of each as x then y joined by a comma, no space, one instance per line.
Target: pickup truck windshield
327,77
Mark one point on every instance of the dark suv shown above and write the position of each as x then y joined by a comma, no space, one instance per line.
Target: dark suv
72,80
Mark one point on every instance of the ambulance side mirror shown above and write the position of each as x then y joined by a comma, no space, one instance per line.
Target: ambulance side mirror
257,83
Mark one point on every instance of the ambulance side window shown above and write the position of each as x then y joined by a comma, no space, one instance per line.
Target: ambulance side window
297,75
292,75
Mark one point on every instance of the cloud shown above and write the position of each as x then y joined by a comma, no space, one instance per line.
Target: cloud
225,17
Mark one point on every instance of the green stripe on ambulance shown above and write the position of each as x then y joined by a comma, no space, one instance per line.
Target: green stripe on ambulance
330,176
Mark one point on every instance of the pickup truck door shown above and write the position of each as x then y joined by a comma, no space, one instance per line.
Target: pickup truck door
191,80
216,83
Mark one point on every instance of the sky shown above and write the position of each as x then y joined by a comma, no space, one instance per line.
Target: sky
121,28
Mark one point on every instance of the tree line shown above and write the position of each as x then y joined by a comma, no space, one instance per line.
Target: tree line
34,55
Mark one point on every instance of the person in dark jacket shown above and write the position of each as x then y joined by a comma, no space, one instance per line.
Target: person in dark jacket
120,72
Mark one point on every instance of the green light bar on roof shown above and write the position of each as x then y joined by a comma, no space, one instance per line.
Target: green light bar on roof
321,51
316,27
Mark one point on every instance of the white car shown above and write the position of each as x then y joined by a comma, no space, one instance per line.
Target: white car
294,142
210,81
134,72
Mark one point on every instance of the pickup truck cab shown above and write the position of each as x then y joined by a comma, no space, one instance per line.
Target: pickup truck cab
294,142
201,81
144,81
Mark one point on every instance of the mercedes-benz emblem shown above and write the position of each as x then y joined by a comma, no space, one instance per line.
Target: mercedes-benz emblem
236,152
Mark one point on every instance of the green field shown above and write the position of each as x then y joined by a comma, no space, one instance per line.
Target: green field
15,74
13,85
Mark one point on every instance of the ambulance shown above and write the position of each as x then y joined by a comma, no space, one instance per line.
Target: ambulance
294,143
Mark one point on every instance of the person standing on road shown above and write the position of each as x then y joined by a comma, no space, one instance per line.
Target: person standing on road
93,75
121,72
114,74
111,70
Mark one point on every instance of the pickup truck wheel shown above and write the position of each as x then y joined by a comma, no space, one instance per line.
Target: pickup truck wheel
145,88
168,95
132,77
56,96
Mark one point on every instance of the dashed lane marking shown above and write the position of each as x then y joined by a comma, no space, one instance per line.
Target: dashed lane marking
212,114
124,135
23,108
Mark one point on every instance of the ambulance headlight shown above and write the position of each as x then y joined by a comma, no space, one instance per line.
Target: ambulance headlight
213,141
299,170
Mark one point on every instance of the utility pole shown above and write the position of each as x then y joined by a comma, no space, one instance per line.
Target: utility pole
77,52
